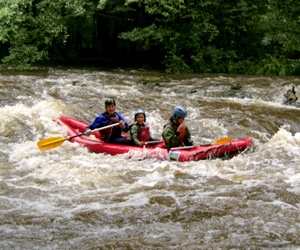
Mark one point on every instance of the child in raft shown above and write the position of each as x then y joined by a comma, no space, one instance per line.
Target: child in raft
140,133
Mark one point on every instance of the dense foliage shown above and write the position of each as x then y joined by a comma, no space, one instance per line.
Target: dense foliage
209,36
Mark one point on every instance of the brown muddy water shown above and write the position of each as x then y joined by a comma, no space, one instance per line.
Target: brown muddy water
70,198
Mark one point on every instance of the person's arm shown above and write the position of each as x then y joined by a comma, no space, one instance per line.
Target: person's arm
171,137
97,123
125,127
134,132
187,139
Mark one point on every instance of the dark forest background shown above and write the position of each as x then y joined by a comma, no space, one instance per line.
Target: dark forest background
178,36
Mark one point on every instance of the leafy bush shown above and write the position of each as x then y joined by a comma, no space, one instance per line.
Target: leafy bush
273,66
176,64
23,56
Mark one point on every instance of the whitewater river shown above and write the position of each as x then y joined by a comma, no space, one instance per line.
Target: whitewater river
70,198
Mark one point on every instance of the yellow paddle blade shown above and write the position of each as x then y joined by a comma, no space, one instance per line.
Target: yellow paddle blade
50,143
222,140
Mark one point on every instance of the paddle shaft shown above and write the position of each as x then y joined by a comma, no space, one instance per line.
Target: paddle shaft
152,142
188,147
220,141
50,143
94,130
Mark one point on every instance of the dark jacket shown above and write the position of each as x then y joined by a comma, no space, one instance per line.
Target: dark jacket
135,131
172,137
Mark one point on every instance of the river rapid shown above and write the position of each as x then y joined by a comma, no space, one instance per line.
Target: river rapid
70,198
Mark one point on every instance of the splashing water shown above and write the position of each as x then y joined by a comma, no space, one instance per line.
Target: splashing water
68,197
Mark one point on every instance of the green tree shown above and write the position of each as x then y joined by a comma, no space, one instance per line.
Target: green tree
29,28
239,36
180,28
197,36
281,46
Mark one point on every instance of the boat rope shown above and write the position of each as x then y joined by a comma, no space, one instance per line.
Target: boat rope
214,148
108,136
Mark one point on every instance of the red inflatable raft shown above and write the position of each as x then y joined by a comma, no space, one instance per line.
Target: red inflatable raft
222,150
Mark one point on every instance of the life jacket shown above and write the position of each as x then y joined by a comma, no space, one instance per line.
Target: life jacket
144,133
175,126
111,131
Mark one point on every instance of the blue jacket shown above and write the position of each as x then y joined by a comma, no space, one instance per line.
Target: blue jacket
102,120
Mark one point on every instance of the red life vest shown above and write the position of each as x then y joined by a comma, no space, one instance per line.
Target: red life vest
144,133
175,126
109,131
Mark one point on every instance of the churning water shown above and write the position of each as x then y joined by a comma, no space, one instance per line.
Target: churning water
70,198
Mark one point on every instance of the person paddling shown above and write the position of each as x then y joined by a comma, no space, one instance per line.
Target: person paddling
176,133
140,133
110,116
